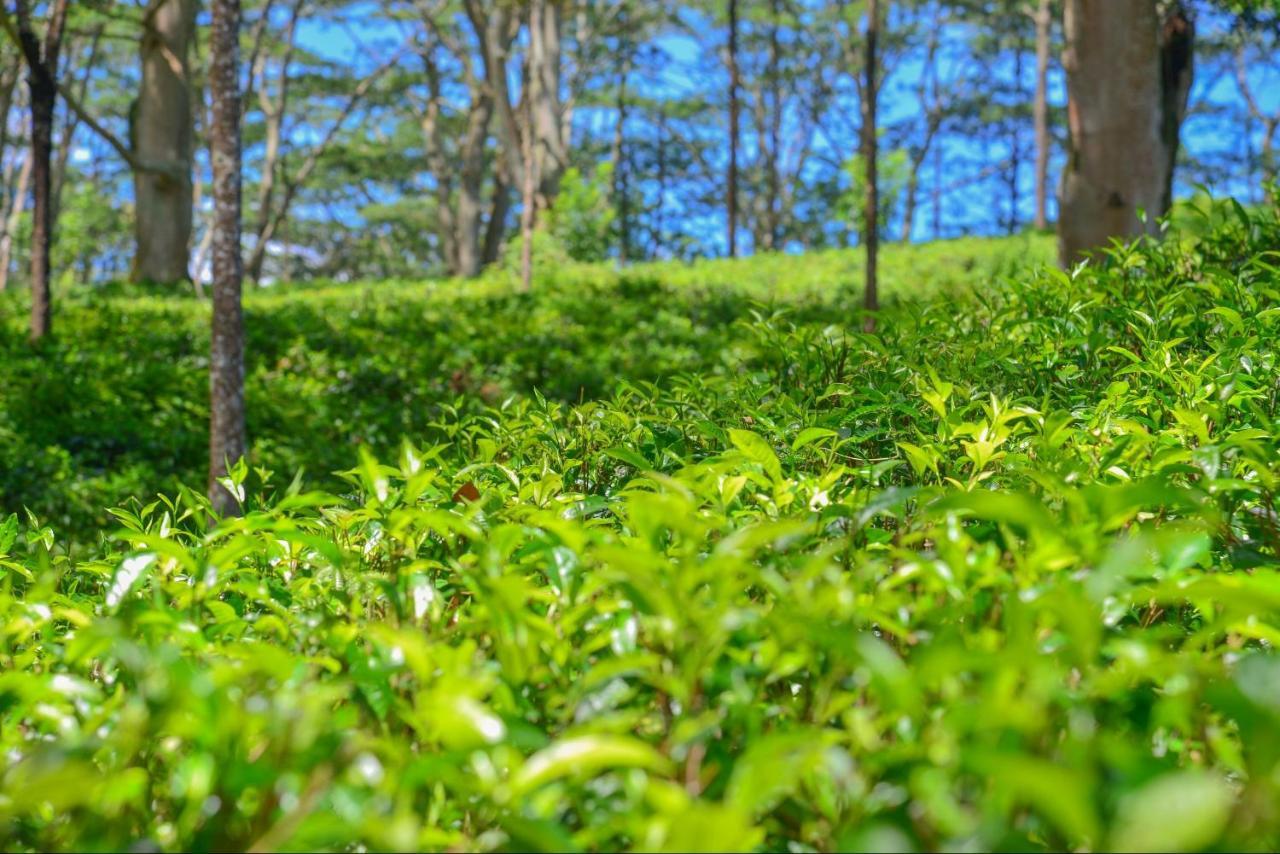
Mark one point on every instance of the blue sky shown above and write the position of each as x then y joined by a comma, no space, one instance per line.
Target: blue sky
361,38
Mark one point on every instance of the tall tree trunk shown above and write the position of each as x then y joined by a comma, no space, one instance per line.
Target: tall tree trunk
871,211
495,227
1040,110
42,83
15,198
1015,140
937,192
528,190
43,98
163,132
547,113
617,155
437,163
660,206
1118,162
732,192
1177,69
227,440
773,210
467,223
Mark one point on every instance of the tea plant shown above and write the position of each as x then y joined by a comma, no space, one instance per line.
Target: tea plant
1001,576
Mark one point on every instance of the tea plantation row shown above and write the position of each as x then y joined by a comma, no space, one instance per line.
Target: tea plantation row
1001,576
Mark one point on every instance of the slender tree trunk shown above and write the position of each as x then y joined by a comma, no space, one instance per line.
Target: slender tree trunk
546,112
470,256
227,440
1119,161
871,211
163,132
617,155
732,192
528,200
17,203
1040,111
1177,69
773,212
42,83
1015,141
937,192
496,226
43,96
434,147
659,214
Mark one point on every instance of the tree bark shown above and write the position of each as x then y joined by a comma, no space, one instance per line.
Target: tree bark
471,175
617,156
42,83
15,191
1119,162
163,132
773,204
871,210
528,189
547,112
1015,142
43,99
732,192
1177,69
227,440
17,204
495,228
1040,111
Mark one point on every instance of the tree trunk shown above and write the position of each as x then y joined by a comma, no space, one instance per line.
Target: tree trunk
1177,43
227,441
1118,162
162,133
433,143
871,211
43,97
660,206
42,83
732,193
1015,141
773,210
546,110
528,187
617,155
496,226
16,199
1040,111
467,223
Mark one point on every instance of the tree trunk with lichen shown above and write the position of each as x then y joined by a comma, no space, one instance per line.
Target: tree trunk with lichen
227,440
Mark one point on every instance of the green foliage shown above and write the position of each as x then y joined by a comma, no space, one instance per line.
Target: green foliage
893,171
581,218
115,405
1002,576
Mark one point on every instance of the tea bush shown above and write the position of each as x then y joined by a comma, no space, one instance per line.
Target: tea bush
1001,576
116,405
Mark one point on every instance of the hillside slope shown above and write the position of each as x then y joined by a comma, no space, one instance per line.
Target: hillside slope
116,406
1001,577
